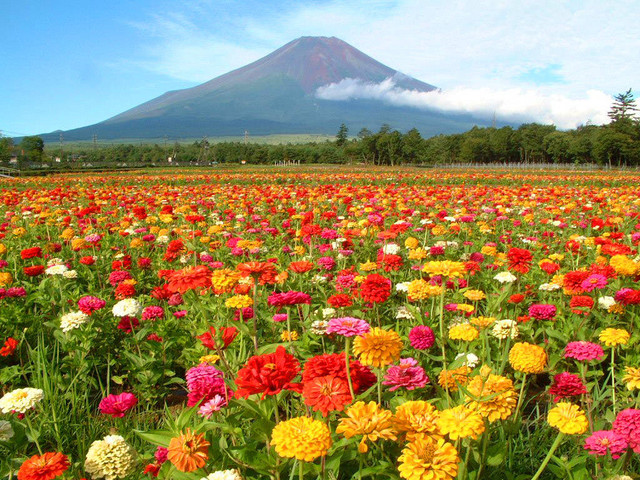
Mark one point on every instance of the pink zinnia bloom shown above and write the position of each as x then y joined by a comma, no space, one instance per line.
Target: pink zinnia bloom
288,298
594,281
451,307
583,351
627,425
117,277
152,313
161,454
89,304
204,382
421,337
280,317
565,385
604,441
93,238
180,313
246,313
408,375
348,326
327,263
118,405
216,403
541,311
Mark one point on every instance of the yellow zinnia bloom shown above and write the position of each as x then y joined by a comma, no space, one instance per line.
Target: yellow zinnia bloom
527,358
378,347
411,243
460,422
474,295
464,331
428,459
568,418
421,289
6,279
492,396
632,378
417,419
239,301
445,268
368,420
450,379
482,322
614,336
303,438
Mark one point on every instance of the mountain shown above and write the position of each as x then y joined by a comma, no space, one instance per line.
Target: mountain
277,94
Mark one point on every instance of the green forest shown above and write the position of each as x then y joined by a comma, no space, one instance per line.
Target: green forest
616,144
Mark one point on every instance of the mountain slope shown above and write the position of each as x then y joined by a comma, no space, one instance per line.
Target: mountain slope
276,94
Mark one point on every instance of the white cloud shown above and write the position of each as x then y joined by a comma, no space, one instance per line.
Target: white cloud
509,105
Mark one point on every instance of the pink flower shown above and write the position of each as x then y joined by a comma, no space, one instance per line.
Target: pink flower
541,311
627,425
89,304
152,313
161,454
408,375
216,403
280,317
421,337
348,326
180,313
594,281
583,351
288,298
204,382
604,441
119,276
118,405
327,263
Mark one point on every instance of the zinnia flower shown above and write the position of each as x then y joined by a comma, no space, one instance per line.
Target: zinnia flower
542,311
627,425
565,385
492,396
43,467
460,422
268,374
428,459
333,364
223,475
188,451
568,418
422,337
463,331
632,378
417,419
368,420
527,358
9,346
110,458
326,394
375,288
519,260
583,351
21,400
118,405
303,438
378,347
348,326
128,307
614,336
405,375
605,441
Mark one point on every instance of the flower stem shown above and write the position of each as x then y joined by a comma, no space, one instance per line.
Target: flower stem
32,431
552,450
346,357
300,469
613,378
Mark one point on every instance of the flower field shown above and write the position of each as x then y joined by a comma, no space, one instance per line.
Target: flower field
325,324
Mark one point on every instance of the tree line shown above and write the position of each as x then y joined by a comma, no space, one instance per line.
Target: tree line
614,144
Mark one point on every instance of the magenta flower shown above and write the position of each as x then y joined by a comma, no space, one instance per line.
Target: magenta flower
408,375
421,337
152,313
288,298
348,326
627,425
583,351
605,441
280,317
541,311
594,281
117,277
118,405
204,382
565,385
161,454
326,263
89,304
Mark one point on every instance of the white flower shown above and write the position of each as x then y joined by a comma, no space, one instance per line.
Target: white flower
505,277
471,359
162,239
223,475
549,287
110,458
606,302
21,400
73,320
129,307
328,312
505,328
319,327
56,270
6,431
402,287
70,274
403,312
391,249
54,261
319,279
185,259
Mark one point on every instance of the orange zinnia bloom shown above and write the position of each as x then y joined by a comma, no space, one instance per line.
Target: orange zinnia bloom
301,267
326,394
43,467
189,278
188,451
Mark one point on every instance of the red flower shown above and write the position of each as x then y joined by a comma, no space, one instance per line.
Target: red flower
288,298
565,385
44,467
87,260
125,290
268,374
572,281
333,364
581,301
128,324
326,394
34,270
375,288
516,298
340,300
31,253
519,259
228,335
9,347
301,267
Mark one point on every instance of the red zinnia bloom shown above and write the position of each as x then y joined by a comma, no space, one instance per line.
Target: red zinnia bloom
516,298
44,467
9,347
189,278
340,300
326,394
125,290
565,385
268,374
89,260
572,281
34,270
581,301
333,364
375,288
31,253
228,335
519,259
288,298
301,267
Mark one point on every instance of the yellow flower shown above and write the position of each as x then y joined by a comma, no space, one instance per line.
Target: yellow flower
19,232
210,359
474,295
460,422
445,268
491,395
378,347
224,279
488,250
299,250
421,289
368,420
6,279
568,418
438,230
303,438
482,322
3,249
417,254
417,419
287,336
239,301
464,332
450,379
368,266
136,243
463,307
428,459
614,336
411,243
67,234
632,378
527,358
624,266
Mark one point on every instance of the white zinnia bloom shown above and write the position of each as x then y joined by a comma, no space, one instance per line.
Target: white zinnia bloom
505,328
129,307
72,320
223,475
403,312
402,287
21,400
56,270
110,458
328,312
549,287
471,359
162,239
505,277
70,274
319,327
606,302
391,249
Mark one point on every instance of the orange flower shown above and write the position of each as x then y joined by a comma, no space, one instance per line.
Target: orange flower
302,266
188,451
189,278
43,467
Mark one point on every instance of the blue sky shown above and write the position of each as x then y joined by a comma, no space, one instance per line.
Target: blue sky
68,64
